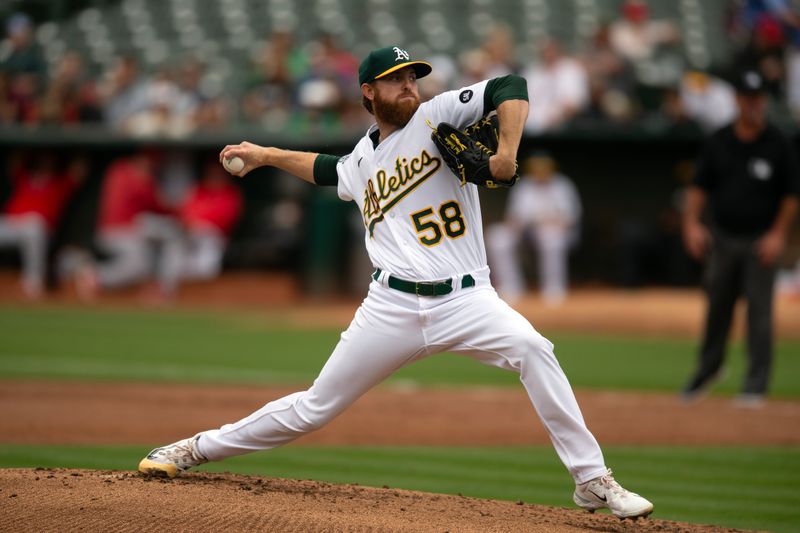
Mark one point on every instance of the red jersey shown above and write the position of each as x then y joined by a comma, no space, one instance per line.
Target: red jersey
45,194
128,192
219,206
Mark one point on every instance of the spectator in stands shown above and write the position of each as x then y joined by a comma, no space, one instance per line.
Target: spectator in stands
791,18
561,86
130,214
163,112
344,68
125,95
7,111
270,96
213,113
202,108
793,81
62,101
326,93
612,82
344,65
194,251
499,48
606,105
754,12
637,37
23,98
189,77
444,76
493,58
41,191
473,65
764,52
89,105
771,31
708,100
546,209
674,113
22,63
22,56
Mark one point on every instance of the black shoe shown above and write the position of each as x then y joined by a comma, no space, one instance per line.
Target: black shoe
699,386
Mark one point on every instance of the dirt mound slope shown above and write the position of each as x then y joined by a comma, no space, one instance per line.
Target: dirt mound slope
71,500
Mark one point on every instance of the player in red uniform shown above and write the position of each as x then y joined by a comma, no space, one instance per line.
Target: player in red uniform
39,197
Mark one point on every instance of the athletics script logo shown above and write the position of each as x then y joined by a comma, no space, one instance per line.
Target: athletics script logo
384,191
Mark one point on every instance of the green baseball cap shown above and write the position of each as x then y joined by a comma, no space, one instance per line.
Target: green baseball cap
386,60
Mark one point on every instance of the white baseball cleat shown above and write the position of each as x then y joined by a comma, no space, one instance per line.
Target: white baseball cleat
604,492
170,460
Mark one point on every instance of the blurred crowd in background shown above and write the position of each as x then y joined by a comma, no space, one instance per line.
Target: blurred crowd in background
312,85
162,218
125,99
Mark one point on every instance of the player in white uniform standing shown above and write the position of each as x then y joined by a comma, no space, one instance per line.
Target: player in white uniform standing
545,208
431,290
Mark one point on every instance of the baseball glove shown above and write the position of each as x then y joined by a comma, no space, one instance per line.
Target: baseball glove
467,152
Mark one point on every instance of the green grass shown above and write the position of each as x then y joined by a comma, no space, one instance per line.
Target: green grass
59,343
734,487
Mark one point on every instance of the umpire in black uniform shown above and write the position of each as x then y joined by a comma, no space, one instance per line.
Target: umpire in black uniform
748,176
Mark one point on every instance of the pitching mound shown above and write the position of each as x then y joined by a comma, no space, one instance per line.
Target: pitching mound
72,500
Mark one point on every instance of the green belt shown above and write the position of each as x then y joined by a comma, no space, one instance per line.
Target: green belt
425,288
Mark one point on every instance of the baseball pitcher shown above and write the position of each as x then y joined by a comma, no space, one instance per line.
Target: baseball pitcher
414,177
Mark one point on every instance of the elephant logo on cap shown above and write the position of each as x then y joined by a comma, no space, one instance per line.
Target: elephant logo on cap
401,54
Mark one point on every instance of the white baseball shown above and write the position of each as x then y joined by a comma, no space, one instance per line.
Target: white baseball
234,164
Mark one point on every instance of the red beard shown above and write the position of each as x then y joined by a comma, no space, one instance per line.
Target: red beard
395,113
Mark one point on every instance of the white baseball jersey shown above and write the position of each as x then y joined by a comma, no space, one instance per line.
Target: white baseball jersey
420,222
552,202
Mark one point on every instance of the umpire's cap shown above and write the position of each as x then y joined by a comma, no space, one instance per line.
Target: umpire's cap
749,82
386,60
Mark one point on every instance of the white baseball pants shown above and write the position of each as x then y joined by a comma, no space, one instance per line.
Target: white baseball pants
29,233
392,329
552,248
190,255
130,250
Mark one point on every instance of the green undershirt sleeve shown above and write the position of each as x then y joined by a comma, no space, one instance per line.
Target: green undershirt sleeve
325,170
498,90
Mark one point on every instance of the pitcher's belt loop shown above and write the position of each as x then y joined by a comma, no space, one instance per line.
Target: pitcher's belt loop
425,288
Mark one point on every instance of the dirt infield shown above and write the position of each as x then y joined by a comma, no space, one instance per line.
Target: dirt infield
71,500
92,413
